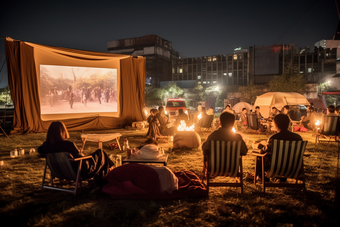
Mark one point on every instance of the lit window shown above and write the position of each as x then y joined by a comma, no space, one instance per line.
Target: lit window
199,82
180,70
214,82
209,58
230,74
198,77
224,74
208,82
301,71
204,82
309,70
214,59
235,56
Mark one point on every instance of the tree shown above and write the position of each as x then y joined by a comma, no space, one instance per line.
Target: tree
290,81
250,92
173,89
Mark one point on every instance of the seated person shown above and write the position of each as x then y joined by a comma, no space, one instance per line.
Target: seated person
164,123
308,121
153,130
274,112
228,109
148,150
331,111
244,118
281,123
181,117
204,115
259,118
337,110
224,134
56,141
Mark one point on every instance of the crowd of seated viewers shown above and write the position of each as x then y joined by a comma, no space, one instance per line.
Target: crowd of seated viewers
99,167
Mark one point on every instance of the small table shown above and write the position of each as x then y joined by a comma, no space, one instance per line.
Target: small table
100,138
163,160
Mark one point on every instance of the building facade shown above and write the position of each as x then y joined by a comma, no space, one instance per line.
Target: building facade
157,51
231,69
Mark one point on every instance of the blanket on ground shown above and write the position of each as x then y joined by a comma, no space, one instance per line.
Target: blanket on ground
135,181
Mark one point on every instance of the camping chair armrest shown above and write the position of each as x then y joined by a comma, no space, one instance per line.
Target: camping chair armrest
258,154
83,158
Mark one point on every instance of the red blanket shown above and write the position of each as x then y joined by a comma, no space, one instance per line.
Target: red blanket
134,181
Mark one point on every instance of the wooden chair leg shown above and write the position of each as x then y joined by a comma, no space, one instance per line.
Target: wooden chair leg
263,180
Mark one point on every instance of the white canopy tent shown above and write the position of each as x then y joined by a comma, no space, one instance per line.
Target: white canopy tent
278,99
239,106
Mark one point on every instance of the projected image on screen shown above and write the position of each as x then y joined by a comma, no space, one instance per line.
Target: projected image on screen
67,89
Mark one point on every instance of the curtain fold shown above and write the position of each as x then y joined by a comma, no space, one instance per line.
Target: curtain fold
23,83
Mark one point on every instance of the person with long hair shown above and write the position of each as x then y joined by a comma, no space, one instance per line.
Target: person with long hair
57,141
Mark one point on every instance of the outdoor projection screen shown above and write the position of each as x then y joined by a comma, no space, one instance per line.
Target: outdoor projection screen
72,87
43,79
71,90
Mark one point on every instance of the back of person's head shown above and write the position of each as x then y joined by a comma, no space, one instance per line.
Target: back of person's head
282,121
180,111
274,108
227,120
331,108
257,107
244,109
337,109
57,132
286,107
228,106
311,109
161,109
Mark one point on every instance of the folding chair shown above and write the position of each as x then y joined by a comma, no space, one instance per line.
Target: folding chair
206,123
224,160
253,122
329,132
60,167
286,162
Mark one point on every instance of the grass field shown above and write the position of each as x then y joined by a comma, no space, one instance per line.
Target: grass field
22,203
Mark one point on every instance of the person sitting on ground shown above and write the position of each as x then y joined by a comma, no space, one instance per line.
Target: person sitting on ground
181,117
281,123
56,141
165,125
224,133
244,118
308,121
285,111
153,130
148,150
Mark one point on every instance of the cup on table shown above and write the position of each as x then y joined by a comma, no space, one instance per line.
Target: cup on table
2,163
14,153
118,160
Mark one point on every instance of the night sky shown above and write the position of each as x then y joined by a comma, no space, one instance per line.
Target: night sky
195,28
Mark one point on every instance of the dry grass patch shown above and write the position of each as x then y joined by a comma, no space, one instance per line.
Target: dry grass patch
22,203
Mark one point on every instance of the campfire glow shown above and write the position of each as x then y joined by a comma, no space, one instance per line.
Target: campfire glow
317,123
234,130
199,116
183,127
146,112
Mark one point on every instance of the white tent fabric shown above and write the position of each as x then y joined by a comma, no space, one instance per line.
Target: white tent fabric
278,99
239,106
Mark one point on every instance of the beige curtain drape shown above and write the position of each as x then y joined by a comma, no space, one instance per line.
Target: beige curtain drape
23,83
